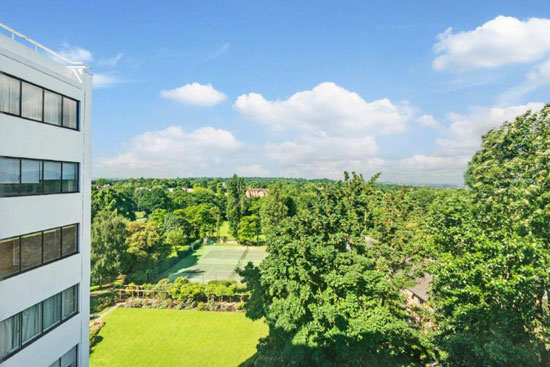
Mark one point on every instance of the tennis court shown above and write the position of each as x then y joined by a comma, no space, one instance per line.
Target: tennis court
216,263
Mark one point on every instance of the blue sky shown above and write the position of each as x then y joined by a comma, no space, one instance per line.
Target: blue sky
298,88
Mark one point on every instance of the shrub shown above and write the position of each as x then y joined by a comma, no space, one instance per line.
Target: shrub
102,301
139,277
202,306
95,327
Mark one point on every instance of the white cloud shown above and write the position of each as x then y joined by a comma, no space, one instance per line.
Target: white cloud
502,40
252,170
460,140
172,152
105,80
327,107
322,155
195,94
76,53
427,121
111,61
538,77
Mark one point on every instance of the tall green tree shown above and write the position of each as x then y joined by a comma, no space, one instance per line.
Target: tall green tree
150,199
236,203
331,286
249,229
112,199
493,244
274,209
108,246
145,247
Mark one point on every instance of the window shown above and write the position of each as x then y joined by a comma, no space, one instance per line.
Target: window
31,250
70,111
31,320
9,176
10,94
70,177
31,176
22,253
52,108
25,327
69,359
9,256
31,101
19,176
52,177
52,311
10,329
69,303
70,240
52,245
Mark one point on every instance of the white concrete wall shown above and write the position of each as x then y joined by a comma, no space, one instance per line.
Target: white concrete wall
22,215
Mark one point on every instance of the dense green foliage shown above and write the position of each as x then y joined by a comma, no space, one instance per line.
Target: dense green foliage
493,246
108,246
330,287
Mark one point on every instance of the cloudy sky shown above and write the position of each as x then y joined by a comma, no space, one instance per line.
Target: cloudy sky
298,88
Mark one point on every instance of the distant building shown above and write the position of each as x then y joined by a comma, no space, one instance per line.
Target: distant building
256,193
45,185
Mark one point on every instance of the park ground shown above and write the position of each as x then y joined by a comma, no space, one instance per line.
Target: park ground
160,338
215,263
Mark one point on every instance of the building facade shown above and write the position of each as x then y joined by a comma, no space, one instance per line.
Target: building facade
45,168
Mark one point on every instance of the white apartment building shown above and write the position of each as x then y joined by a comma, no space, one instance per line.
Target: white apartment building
45,118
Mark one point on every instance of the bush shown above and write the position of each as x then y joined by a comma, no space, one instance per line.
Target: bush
139,277
102,301
95,327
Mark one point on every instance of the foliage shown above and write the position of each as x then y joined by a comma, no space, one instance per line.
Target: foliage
275,208
249,229
95,328
236,203
145,247
330,289
150,199
108,246
101,301
493,247
111,199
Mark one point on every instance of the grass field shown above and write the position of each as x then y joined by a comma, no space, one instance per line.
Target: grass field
162,338
225,232
215,263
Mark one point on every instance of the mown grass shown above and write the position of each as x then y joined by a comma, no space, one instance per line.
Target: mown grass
160,338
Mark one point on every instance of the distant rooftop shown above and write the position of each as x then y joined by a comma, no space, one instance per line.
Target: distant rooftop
76,66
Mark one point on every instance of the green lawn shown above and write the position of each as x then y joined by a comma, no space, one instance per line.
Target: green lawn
225,232
161,338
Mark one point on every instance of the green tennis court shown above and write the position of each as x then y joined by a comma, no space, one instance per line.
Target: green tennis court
216,263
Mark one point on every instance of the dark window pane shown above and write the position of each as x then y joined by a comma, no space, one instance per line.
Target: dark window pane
52,311
52,108
9,94
9,176
9,256
52,177
70,235
70,113
69,301
32,322
52,245
31,250
32,102
69,358
70,177
10,329
31,176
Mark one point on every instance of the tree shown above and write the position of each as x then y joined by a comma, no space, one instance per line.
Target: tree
249,229
236,203
274,208
331,286
145,247
175,238
150,199
111,199
201,219
493,247
108,246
